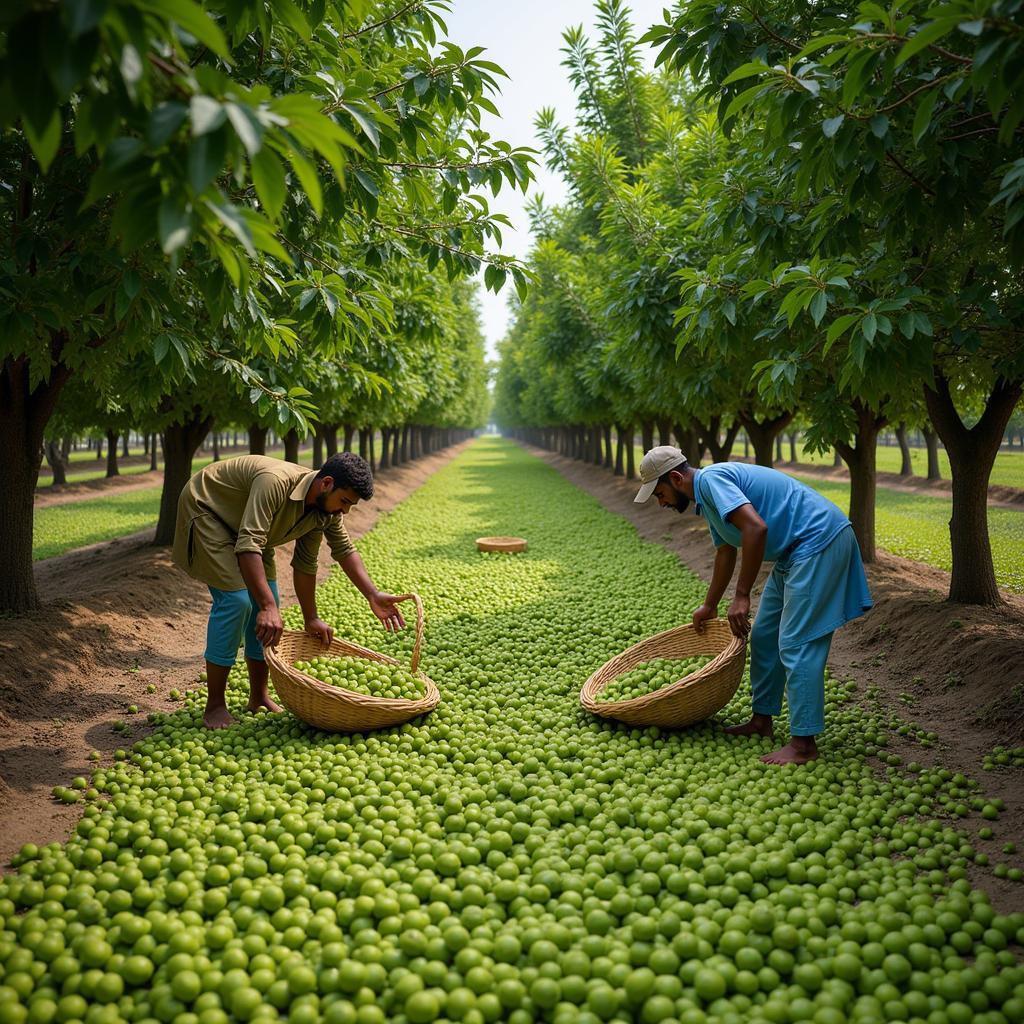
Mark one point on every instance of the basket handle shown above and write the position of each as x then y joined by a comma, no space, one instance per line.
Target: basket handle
415,661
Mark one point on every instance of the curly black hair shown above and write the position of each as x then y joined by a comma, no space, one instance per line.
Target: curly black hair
347,469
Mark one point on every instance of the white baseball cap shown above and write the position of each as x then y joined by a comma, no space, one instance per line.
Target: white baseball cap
655,464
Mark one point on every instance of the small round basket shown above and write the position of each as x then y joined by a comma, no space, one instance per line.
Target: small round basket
507,544
692,699
332,708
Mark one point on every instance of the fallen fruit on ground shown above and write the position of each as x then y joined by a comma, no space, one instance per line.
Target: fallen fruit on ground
509,857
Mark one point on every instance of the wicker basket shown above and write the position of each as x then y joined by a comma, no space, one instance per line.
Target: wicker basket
694,697
332,708
507,544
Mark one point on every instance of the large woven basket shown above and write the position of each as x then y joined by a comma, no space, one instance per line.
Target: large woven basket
694,697
507,544
333,708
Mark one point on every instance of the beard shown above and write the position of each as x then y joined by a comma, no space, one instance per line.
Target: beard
321,504
681,503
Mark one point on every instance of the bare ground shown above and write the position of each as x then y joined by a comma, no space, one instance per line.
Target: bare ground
963,666
117,617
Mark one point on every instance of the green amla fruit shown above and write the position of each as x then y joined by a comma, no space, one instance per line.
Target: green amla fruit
651,676
360,675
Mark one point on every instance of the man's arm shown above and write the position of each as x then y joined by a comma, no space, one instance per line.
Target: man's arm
754,533
269,626
305,591
725,563
383,605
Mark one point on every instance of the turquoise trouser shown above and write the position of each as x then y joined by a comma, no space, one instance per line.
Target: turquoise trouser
232,616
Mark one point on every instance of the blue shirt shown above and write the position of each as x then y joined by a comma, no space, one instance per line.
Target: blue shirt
800,521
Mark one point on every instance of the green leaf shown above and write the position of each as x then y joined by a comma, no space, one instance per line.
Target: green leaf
173,225
831,125
292,16
972,28
879,125
925,36
246,126
868,327
818,306
269,178
923,116
741,101
306,173
45,145
231,217
839,327
164,121
83,16
205,159
745,71
193,19
366,122
207,114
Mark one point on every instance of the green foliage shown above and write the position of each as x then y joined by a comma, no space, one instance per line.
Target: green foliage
230,181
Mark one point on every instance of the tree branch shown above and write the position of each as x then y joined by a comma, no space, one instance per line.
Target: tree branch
384,21
895,161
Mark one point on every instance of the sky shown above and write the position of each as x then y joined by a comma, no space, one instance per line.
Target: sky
524,37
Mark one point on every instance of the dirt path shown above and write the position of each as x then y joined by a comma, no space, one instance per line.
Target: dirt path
962,667
118,617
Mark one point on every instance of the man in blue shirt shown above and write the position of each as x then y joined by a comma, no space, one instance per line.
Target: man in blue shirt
816,586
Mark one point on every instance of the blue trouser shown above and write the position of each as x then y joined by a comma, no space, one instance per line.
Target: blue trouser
799,670
232,616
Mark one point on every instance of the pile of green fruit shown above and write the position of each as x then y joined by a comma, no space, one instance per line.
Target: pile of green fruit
361,675
1004,757
510,857
651,676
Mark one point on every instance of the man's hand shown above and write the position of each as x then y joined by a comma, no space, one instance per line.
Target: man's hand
385,607
739,616
702,615
320,629
269,626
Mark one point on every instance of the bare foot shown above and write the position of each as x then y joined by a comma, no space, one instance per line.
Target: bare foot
793,753
263,703
759,725
217,718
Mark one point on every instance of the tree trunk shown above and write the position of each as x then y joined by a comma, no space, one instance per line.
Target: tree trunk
860,458
630,456
372,448
972,453
792,447
291,446
837,459
257,441
385,438
931,442
348,431
763,434
906,464
609,458
687,443
647,435
215,437
720,450
181,441
25,409
405,442
125,450
620,449
99,449
778,449
152,454
746,445
145,443
664,431
57,463
318,446
112,469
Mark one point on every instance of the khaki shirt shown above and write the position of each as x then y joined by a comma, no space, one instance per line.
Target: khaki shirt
251,504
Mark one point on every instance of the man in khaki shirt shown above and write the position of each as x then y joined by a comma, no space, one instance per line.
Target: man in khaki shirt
231,516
